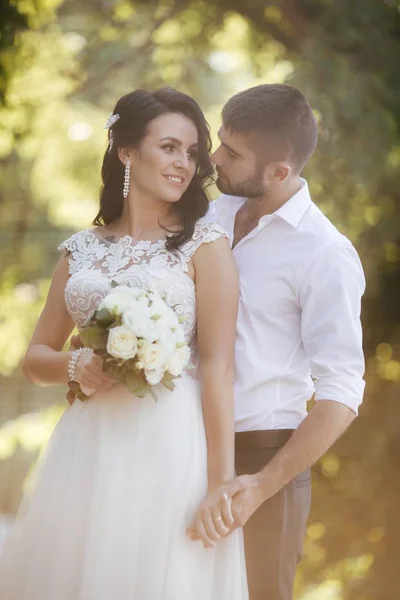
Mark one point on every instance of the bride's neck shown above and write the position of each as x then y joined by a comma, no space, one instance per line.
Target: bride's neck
141,217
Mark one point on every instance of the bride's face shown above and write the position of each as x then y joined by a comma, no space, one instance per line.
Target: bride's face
165,163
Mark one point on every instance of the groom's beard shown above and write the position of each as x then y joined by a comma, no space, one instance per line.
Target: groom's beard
250,188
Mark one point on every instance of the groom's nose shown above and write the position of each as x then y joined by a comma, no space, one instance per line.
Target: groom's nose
215,156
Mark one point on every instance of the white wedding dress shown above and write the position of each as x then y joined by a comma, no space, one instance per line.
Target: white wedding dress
122,477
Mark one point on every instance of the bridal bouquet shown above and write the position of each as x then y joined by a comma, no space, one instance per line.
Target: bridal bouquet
139,337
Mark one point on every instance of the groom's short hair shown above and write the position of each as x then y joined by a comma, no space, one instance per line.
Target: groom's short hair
278,112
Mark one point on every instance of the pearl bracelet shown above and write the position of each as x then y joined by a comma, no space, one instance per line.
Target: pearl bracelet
73,361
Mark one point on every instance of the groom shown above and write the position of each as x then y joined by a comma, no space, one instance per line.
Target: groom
298,332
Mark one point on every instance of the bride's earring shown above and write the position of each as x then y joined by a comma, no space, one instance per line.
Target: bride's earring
127,179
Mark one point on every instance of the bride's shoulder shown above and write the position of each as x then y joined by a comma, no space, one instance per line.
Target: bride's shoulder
83,249
208,230
79,240
205,231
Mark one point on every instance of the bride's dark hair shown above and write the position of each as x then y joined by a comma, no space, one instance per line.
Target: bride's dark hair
136,110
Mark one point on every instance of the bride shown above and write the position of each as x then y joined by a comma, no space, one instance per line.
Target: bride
123,478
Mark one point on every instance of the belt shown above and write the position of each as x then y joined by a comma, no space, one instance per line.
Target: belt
274,438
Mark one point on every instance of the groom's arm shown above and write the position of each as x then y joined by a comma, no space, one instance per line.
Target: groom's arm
325,423
330,290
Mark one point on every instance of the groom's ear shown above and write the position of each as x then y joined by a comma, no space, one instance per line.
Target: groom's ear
282,171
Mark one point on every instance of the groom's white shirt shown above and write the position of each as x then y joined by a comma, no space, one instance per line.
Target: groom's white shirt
298,330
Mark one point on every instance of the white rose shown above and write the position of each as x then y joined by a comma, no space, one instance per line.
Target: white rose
154,376
118,300
172,317
142,298
164,315
179,334
178,360
122,342
170,337
158,306
137,318
152,356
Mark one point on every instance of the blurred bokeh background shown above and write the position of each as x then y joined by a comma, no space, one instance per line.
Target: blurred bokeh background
63,65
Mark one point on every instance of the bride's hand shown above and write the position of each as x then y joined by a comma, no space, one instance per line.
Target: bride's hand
89,373
213,519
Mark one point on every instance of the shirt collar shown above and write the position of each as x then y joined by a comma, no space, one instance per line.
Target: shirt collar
292,211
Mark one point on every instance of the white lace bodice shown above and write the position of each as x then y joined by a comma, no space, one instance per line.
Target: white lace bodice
95,261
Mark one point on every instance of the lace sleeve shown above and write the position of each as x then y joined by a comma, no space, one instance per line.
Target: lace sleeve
78,248
66,245
204,233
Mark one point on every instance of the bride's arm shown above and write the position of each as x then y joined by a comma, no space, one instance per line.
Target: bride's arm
217,292
44,361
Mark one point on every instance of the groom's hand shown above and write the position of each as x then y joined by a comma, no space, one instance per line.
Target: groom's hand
75,343
241,498
246,495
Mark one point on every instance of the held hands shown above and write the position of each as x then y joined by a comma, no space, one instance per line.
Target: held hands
226,508
213,519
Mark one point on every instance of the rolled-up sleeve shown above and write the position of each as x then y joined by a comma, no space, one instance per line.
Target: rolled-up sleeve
331,288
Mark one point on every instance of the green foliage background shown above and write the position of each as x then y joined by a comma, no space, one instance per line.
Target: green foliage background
63,64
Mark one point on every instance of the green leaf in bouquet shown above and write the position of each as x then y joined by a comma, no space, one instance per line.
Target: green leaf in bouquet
84,335
112,368
92,320
168,376
114,284
152,392
169,384
136,384
130,364
168,381
104,317
94,337
125,365
141,392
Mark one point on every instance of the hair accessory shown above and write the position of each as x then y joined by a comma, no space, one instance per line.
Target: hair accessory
110,141
111,120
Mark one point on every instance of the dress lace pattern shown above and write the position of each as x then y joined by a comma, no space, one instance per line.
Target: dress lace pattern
95,261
